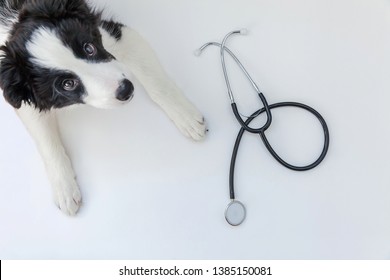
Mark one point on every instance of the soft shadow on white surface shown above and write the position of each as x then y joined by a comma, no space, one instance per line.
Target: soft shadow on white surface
150,193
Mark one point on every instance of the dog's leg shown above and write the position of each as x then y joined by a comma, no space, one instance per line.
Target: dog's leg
44,130
132,50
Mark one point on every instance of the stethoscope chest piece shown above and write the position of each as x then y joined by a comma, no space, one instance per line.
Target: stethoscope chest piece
235,213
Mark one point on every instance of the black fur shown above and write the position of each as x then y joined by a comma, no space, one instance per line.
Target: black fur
113,28
13,4
8,10
14,79
75,23
47,84
87,31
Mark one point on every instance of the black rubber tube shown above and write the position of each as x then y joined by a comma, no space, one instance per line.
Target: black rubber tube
261,132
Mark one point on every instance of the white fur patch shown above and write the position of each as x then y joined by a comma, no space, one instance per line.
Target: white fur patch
101,80
4,33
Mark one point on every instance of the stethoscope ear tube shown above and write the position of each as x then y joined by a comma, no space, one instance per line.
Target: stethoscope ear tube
245,126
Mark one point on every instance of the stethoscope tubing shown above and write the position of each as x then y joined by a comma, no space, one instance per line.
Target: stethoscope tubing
269,147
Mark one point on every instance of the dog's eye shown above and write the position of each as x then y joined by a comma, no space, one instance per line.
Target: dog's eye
70,84
90,49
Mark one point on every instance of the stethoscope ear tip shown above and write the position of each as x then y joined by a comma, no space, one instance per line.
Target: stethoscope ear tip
244,31
197,52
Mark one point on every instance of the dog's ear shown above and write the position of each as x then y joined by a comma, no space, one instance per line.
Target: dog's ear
13,79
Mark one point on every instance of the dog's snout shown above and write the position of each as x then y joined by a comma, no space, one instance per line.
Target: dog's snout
125,90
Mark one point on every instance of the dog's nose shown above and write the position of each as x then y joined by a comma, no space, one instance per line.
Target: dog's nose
125,90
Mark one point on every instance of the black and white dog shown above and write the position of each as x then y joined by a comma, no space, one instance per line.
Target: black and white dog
58,53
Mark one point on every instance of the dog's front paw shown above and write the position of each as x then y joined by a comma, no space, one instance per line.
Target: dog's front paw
187,118
68,199
191,123
66,192
67,196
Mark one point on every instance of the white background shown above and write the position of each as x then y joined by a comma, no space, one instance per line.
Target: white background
150,193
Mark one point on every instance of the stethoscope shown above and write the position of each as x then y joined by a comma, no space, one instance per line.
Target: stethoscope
235,212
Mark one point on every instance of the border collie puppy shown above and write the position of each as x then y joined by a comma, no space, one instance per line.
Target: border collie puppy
58,53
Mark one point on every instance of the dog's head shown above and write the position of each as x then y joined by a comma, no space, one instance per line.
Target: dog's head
54,57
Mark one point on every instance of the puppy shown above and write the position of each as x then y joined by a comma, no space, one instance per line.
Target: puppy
58,53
